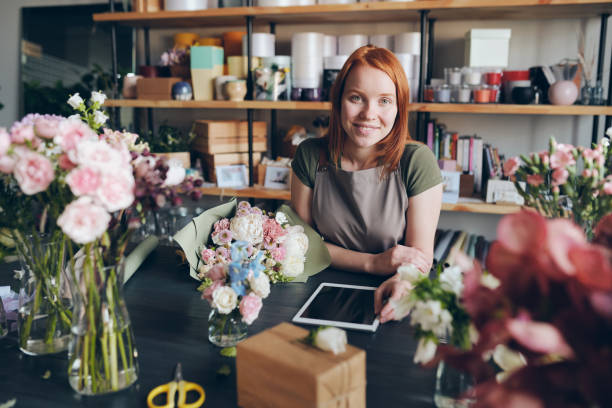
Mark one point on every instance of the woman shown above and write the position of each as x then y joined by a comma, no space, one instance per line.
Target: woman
374,196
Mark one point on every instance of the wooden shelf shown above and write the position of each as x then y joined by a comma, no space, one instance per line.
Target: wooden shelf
259,191
366,12
171,104
496,109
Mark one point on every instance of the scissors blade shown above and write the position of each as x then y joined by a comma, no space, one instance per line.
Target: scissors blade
178,372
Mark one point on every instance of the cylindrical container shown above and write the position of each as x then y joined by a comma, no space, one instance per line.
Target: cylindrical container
454,76
236,89
307,44
175,5
311,94
262,45
472,76
461,94
509,85
330,45
494,95
442,94
185,40
306,72
220,81
238,65
382,41
335,62
428,93
493,77
522,95
481,95
410,63
407,43
296,94
331,68
350,42
232,43
129,86
413,87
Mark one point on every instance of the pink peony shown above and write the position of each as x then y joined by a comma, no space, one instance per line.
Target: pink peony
250,305
217,273
83,220
559,176
208,292
278,254
5,141
65,163
46,127
272,230
34,172
116,191
207,255
561,158
222,224
23,132
535,179
83,180
97,153
7,164
70,133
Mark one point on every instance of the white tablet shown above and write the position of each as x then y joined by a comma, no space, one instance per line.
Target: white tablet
337,304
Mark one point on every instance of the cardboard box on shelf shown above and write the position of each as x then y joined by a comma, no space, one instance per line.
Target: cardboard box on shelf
209,161
218,129
183,157
274,369
228,144
155,88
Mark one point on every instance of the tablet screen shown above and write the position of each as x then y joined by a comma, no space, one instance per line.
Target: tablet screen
340,305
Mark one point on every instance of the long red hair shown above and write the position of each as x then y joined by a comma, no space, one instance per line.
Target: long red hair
390,149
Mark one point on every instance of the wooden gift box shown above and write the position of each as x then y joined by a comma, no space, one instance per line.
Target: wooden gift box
275,370
155,88
218,129
228,145
224,159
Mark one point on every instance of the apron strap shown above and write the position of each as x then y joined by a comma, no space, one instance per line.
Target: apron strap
322,164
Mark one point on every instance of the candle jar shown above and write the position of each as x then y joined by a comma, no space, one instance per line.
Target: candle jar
462,94
493,77
454,76
482,95
442,94
493,93
472,76
428,93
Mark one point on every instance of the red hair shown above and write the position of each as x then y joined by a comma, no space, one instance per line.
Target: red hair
391,147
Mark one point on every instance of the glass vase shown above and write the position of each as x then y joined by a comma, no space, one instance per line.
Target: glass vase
45,302
226,330
102,356
453,388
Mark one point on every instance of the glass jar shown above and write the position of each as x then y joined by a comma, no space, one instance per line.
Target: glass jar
472,76
454,76
481,95
453,388
462,94
226,330
428,93
442,94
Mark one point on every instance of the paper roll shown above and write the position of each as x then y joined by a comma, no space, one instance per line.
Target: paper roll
306,83
304,45
262,45
335,62
382,40
185,5
407,43
330,45
349,43
410,63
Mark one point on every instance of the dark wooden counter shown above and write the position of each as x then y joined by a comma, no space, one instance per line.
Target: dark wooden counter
170,326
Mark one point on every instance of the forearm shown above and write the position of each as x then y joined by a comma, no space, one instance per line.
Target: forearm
353,261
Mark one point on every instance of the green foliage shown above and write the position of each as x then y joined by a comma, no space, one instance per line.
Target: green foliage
168,140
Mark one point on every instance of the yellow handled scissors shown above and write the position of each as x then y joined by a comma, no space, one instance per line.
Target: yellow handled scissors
170,389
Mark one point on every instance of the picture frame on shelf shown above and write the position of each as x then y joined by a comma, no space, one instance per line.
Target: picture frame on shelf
232,176
277,177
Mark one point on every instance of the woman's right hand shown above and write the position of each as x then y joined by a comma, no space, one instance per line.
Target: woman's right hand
387,262
391,289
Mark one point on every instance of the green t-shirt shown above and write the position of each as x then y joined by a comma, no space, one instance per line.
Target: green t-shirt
418,165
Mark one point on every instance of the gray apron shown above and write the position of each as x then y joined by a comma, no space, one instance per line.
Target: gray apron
358,210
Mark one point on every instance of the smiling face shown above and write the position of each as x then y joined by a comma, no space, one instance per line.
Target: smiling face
369,106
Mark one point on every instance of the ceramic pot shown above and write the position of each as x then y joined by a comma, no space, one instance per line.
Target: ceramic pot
236,90
182,91
563,93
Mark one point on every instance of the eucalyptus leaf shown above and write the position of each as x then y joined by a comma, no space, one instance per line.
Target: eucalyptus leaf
228,352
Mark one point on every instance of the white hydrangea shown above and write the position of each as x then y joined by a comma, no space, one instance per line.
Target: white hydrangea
410,273
247,228
224,299
260,285
451,279
296,243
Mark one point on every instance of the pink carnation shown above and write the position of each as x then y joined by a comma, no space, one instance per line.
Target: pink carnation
511,166
83,220
256,210
535,179
241,212
559,176
594,156
278,253
116,190
250,305
207,255
217,273
272,230
561,158
5,141
34,172
244,204
84,180
222,224
208,292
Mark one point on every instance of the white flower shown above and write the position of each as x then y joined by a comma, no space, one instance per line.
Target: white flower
98,97
426,350
609,132
451,280
508,360
175,174
269,262
473,334
224,299
410,273
281,218
260,285
401,307
75,101
431,317
606,141
100,118
489,281
247,228
331,339
296,243
292,265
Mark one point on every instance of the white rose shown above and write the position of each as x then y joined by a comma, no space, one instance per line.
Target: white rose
401,307
473,333
281,218
247,228
425,352
75,101
98,97
175,174
451,280
260,285
489,281
292,266
331,339
431,317
224,299
410,273
100,118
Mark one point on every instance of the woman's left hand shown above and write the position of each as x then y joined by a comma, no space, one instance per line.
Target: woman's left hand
391,289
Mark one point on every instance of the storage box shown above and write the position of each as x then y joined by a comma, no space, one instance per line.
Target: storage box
487,47
466,185
155,88
219,129
273,369
229,144
212,160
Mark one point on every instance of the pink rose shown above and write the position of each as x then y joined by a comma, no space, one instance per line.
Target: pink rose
535,179
250,305
84,180
208,292
116,191
46,128
83,220
70,133
5,141
7,164
539,337
34,172
207,255
561,158
217,273
559,176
